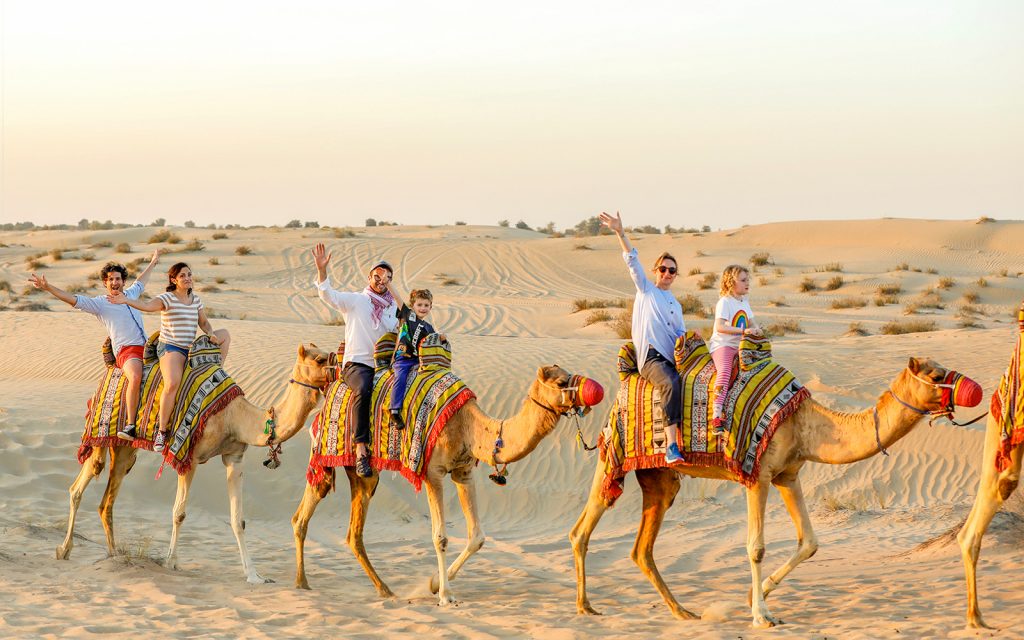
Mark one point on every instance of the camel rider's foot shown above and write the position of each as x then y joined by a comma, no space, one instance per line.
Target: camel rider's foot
158,442
672,454
363,468
718,426
396,419
127,433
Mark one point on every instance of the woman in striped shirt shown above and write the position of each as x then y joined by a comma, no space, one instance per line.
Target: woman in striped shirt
181,316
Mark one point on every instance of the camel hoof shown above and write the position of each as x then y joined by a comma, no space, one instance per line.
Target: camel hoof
683,614
766,622
586,610
385,592
258,579
302,584
977,623
435,584
63,554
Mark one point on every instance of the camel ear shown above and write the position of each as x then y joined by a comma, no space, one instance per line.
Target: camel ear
302,350
313,344
914,365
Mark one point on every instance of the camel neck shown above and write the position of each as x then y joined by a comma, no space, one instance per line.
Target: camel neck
520,434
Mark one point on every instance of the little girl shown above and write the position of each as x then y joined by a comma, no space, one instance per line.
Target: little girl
733,320
412,329
181,316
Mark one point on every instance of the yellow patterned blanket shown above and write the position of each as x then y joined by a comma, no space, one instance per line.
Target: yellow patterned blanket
432,397
1007,406
204,391
761,395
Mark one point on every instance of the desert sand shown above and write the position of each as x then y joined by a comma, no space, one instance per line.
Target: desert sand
886,567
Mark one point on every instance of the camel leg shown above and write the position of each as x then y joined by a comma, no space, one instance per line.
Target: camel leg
233,464
362,492
122,459
757,498
178,516
91,468
792,494
659,488
579,537
300,523
435,497
463,479
993,490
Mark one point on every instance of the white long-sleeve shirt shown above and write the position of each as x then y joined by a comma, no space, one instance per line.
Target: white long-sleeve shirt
360,334
657,315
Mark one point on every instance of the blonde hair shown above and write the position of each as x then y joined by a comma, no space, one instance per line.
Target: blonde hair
420,294
729,277
666,256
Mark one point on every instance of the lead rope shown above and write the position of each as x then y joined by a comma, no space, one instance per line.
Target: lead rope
580,441
499,477
274,450
878,437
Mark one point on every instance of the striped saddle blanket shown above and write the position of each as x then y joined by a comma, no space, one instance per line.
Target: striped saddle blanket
431,398
1007,407
204,391
761,395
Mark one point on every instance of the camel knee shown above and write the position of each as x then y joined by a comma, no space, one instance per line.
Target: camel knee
441,542
755,552
476,543
179,518
1007,486
809,547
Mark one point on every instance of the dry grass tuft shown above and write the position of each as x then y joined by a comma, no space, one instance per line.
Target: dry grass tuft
693,305
831,266
123,247
849,303
243,250
760,259
708,281
597,316
834,283
194,245
583,304
945,283
972,297
582,246
623,324
900,327
807,284
889,289
694,271
220,236
777,302
857,329
783,327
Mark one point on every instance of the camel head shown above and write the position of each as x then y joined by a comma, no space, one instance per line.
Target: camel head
314,367
929,388
564,393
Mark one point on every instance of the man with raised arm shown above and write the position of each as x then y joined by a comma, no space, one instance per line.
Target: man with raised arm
124,325
657,324
369,314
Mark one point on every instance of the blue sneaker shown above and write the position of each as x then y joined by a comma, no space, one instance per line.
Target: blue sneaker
672,454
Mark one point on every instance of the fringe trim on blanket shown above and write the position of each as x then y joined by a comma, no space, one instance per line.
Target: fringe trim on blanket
85,450
1006,445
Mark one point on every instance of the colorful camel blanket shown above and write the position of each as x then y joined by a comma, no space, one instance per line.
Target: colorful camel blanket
106,410
431,398
204,391
1007,407
761,395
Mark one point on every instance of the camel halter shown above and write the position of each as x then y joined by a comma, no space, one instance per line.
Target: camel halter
275,449
946,412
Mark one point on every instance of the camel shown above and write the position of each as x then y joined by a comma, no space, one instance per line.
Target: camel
227,434
994,488
811,433
469,436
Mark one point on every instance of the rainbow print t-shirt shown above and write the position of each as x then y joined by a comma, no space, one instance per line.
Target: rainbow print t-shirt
736,313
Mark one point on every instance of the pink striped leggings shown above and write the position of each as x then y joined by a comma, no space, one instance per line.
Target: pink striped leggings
723,364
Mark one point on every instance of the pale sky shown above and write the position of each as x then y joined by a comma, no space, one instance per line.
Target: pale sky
681,113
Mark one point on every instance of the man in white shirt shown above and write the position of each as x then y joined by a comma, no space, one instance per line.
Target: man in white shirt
369,314
124,325
657,324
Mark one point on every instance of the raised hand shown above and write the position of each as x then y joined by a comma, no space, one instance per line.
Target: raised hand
39,282
320,256
613,223
156,256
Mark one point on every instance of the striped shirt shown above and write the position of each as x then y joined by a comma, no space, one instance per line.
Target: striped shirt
179,321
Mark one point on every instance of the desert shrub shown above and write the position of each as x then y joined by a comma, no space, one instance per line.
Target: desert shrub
582,304
779,272
971,297
293,224
209,288
849,303
582,246
623,324
522,225
857,329
708,281
889,289
807,284
984,220
88,256
460,223
243,250
503,223
981,282
693,305
220,236
30,306
883,299
5,286
194,245
56,254
931,270
694,271
77,288
945,283
899,327
123,247
699,254
762,281
760,259
35,265
783,327
449,281
600,315
777,302
1003,273
834,283
336,322
831,266
220,280
370,222
930,300
164,235
102,244
213,261
968,322
903,266
344,233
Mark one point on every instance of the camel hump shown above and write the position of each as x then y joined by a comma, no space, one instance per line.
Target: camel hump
384,350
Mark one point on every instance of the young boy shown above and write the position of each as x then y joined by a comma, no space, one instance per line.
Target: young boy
412,329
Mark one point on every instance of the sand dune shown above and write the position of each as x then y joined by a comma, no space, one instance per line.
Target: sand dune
505,297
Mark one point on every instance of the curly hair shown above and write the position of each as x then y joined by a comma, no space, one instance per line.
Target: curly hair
729,277
420,294
112,267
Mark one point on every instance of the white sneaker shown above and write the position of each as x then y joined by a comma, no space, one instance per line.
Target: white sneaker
158,442
128,433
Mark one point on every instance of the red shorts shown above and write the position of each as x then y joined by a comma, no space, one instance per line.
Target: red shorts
127,353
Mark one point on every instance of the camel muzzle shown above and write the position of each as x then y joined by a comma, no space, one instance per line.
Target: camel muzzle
960,390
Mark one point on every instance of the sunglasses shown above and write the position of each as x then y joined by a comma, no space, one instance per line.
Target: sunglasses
671,270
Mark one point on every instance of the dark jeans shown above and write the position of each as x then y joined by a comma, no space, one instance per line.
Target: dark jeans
662,374
402,368
359,378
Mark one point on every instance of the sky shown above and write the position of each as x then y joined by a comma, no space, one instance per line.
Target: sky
678,113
